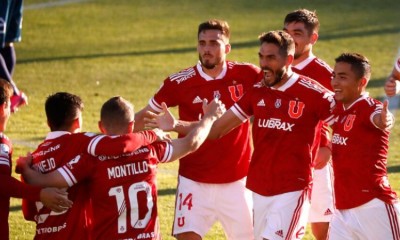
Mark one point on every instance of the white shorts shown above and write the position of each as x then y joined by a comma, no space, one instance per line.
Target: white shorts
321,209
199,205
370,221
282,216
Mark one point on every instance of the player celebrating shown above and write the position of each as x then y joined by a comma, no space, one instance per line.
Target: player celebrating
10,187
219,167
303,26
367,206
64,117
392,84
123,188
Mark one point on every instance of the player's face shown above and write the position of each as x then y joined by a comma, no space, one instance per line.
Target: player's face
346,85
272,64
212,48
302,39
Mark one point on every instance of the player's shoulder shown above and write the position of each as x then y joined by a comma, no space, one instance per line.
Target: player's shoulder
243,66
183,75
309,84
5,146
4,138
322,64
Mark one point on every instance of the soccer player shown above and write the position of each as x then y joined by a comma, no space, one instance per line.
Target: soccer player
303,26
11,187
367,207
218,169
123,188
286,119
64,117
392,84
10,32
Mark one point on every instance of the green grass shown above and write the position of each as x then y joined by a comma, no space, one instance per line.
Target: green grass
101,48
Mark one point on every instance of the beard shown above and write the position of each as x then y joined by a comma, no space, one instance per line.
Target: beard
278,77
207,64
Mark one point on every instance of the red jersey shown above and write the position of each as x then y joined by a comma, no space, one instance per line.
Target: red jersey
123,191
58,149
216,161
284,128
320,71
359,155
316,69
10,187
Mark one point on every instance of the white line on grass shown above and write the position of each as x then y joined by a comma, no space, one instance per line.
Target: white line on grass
51,4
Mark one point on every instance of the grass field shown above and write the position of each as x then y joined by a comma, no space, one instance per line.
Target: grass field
101,48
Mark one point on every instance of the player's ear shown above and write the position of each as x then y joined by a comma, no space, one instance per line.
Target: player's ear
227,48
102,130
131,126
314,38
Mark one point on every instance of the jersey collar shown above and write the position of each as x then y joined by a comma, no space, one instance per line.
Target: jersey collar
56,134
304,63
289,82
207,77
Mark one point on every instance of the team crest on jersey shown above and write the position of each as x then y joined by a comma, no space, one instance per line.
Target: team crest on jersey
278,103
349,121
236,92
296,109
217,95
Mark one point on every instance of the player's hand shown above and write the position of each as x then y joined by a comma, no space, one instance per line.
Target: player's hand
215,109
23,162
392,87
55,199
323,157
161,135
164,121
386,116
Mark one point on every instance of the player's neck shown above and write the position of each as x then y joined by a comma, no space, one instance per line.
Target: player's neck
215,72
302,57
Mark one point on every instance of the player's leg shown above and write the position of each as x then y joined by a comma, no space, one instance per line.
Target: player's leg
4,71
378,220
282,216
322,208
194,214
234,208
341,226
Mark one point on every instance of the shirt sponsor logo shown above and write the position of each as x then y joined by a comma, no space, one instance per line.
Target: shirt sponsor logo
275,123
337,139
44,152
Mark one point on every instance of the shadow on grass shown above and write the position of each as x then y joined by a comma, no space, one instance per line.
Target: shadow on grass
239,45
16,208
167,191
393,169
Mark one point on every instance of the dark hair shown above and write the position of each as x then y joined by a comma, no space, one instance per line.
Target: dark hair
6,91
309,18
62,109
281,39
359,64
215,24
116,114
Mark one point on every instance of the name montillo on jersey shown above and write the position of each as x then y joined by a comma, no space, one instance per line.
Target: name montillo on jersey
337,139
275,123
127,170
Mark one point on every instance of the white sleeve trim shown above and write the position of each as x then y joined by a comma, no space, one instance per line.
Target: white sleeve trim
239,113
68,176
93,144
155,106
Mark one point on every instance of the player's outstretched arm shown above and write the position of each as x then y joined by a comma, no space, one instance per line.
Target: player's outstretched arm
167,122
193,140
385,119
31,176
392,84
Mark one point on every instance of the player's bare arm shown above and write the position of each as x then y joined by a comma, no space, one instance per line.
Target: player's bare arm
227,122
193,140
384,120
55,199
31,176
